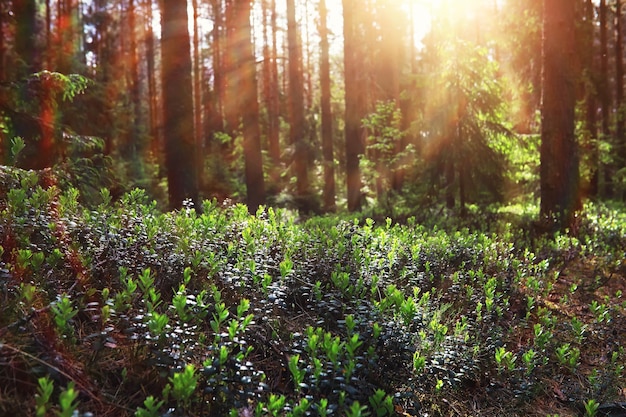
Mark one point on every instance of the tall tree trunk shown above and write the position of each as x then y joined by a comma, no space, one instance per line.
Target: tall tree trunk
389,75
197,100
2,45
559,150
250,116
461,168
229,67
353,103
155,138
218,65
269,94
177,104
307,62
48,52
591,123
133,145
25,12
326,110
449,180
274,87
297,134
619,87
66,33
605,97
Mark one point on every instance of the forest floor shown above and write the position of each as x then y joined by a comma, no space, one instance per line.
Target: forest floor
121,310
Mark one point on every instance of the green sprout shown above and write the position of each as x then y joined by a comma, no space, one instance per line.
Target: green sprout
42,398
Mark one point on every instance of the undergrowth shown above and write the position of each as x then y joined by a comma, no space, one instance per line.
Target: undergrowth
123,310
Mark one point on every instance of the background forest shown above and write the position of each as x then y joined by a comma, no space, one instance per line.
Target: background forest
312,208
387,105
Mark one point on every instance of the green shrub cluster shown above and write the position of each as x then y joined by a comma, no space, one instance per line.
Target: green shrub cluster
125,310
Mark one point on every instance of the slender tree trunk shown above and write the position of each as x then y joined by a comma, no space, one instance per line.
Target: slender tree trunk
274,106
353,102
307,62
449,180
591,122
327,119
218,65
25,12
296,103
619,87
153,95
2,45
48,54
461,172
605,97
229,67
67,31
250,117
134,144
269,94
559,173
197,100
389,75
178,104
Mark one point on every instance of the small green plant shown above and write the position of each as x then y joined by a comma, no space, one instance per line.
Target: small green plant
568,355
17,200
322,407
184,384
37,260
266,282
352,344
157,324
542,336
286,267
179,301
490,293
381,403
528,358
505,359
54,257
64,312
68,403
275,404
150,408
27,294
341,280
220,315
357,410
332,347
591,408
439,385
23,258
152,300
419,362
376,330
601,311
17,146
42,398
579,329
297,373
300,409
408,309
439,330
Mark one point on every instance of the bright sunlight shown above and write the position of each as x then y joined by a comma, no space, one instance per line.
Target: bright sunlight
462,14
